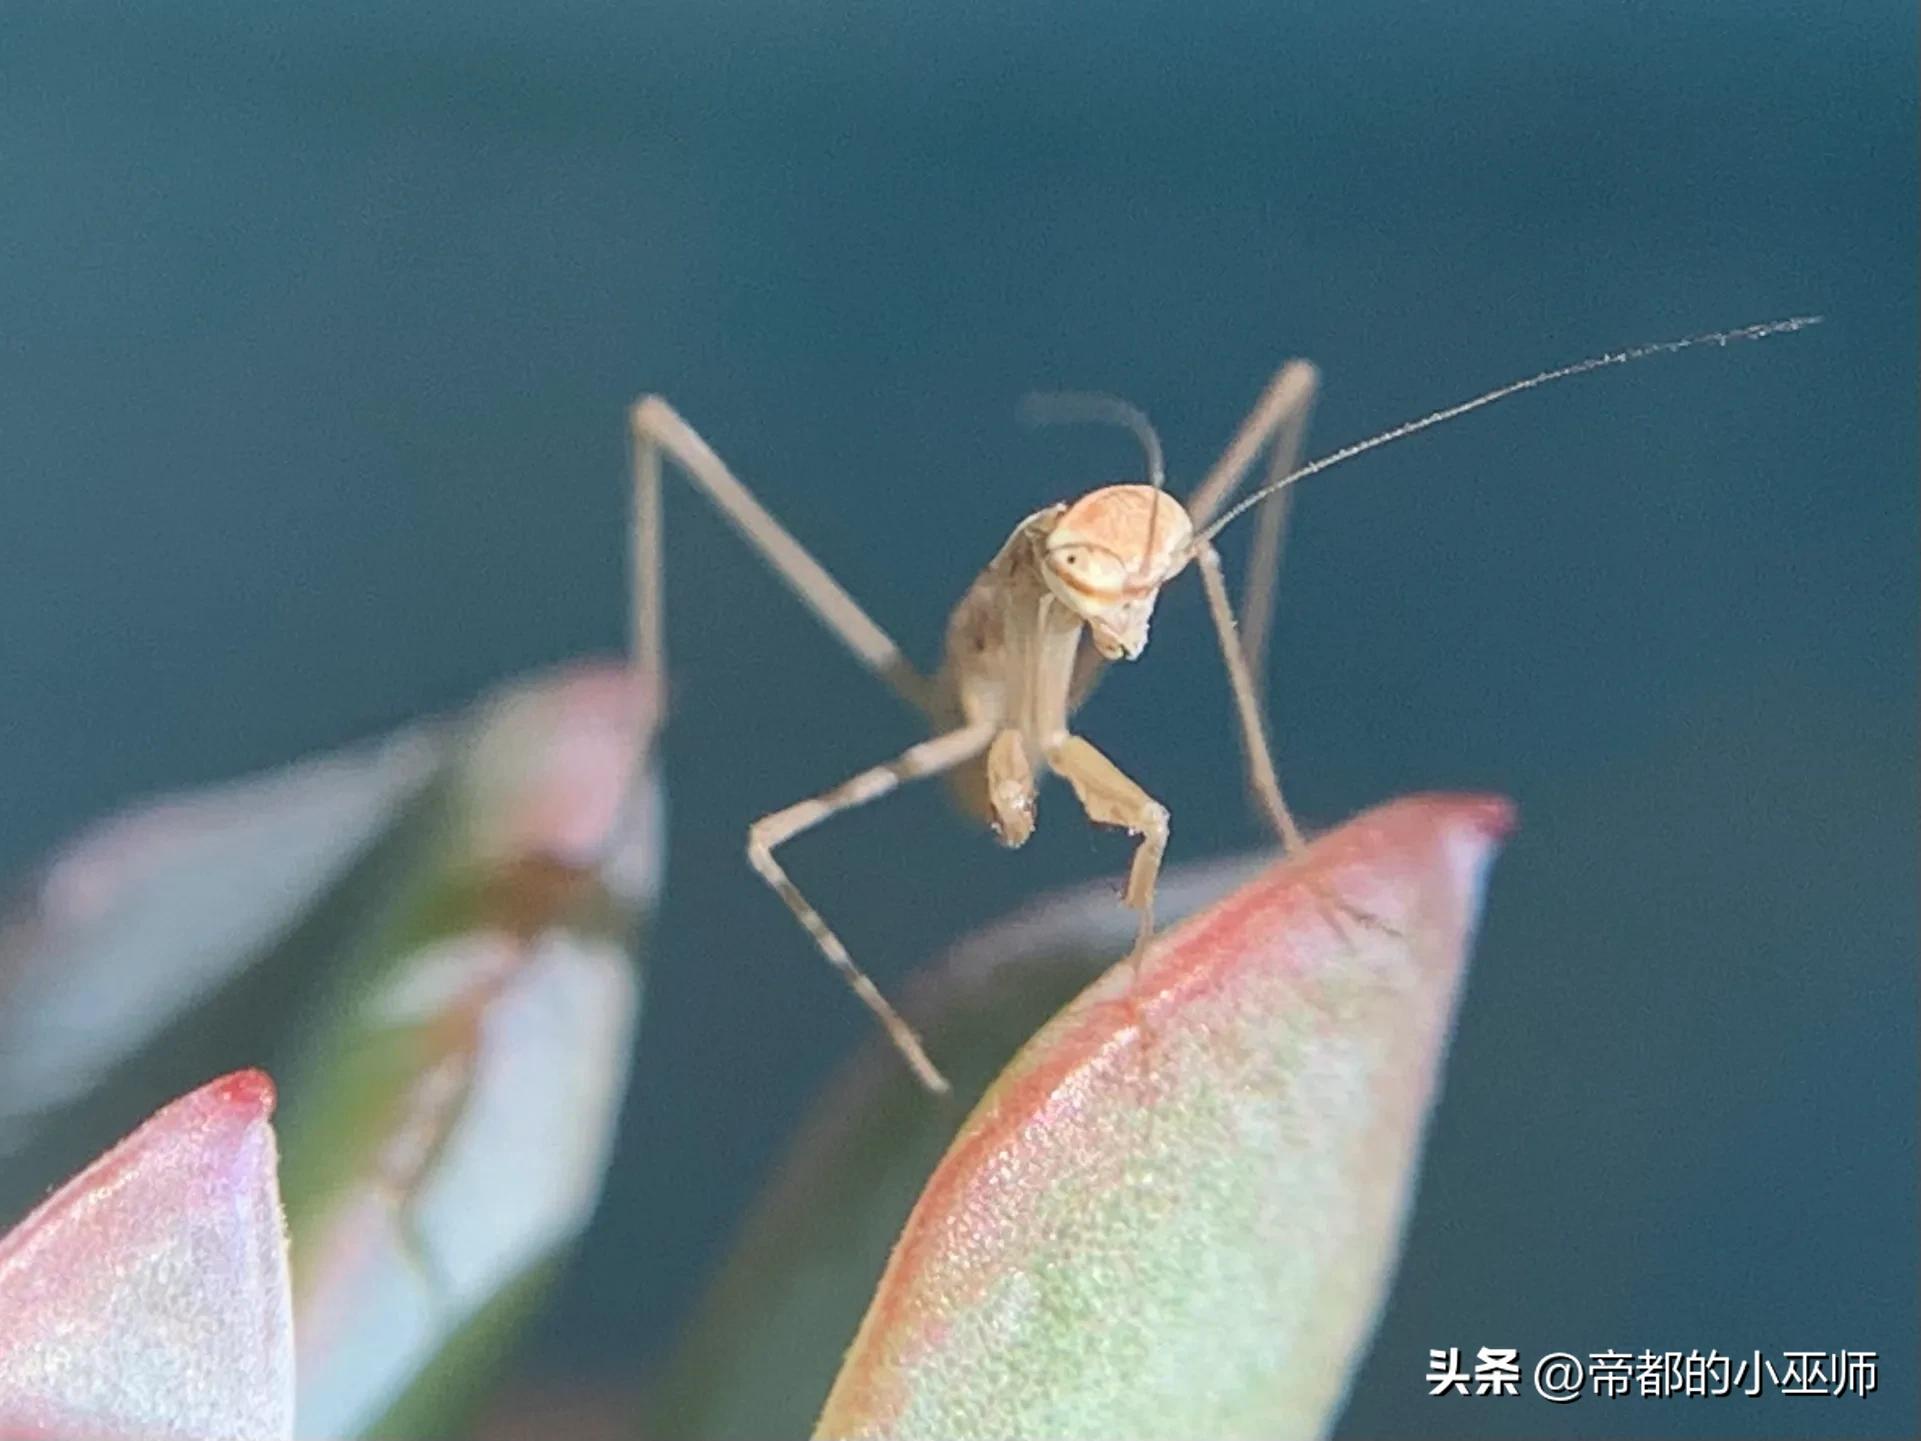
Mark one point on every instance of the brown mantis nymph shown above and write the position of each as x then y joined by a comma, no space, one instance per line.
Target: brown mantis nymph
1072,589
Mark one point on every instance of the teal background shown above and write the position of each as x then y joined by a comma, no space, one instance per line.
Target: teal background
316,327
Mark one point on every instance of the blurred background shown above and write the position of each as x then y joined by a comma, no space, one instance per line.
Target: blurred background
316,330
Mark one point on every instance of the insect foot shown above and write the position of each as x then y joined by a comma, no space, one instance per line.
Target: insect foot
1010,789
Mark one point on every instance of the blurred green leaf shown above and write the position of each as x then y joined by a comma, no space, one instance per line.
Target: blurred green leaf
148,1296
1175,1213
768,1337
447,1129
141,957
429,940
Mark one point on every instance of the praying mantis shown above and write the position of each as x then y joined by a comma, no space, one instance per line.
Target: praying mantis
1072,589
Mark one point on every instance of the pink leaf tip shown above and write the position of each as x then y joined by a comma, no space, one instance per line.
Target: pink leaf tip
149,1295
248,1093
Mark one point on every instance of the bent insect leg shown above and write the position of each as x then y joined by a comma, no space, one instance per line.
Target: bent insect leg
1110,798
657,428
928,758
1260,762
1277,424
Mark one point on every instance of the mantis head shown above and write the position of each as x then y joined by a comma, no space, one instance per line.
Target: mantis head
1108,556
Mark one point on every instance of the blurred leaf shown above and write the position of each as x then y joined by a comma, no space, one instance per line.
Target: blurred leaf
148,1296
118,947
480,1346
429,940
1175,1213
578,1405
448,1127
767,1339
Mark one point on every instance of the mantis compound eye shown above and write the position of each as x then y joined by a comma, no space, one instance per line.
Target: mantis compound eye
1132,535
1088,577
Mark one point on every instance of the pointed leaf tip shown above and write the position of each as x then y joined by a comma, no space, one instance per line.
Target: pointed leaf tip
554,761
1175,1211
148,1296
249,1095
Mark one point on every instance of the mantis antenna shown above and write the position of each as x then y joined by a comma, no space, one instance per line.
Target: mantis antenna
1564,372
1055,407
1068,407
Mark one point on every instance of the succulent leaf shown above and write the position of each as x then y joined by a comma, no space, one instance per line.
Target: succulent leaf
1176,1210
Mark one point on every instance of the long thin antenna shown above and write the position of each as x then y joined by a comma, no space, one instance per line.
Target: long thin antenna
1058,407
1399,432
1055,406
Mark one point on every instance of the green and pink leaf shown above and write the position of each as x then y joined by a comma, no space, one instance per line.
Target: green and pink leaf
1176,1211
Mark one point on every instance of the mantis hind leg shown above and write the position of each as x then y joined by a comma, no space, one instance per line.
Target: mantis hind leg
659,429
